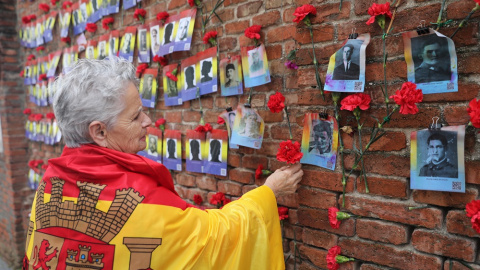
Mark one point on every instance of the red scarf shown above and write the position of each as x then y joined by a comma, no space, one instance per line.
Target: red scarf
118,170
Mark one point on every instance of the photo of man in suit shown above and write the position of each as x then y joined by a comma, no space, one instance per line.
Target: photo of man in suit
347,70
435,60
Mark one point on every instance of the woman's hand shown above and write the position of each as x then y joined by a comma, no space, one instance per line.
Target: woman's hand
285,180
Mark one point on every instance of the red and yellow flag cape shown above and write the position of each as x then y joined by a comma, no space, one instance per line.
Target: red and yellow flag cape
98,208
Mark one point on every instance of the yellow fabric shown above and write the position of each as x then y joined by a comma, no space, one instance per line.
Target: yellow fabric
245,234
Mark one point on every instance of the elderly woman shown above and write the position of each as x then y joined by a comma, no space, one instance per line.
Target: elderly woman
101,206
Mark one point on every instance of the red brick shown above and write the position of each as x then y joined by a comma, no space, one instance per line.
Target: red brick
289,200
252,7
318,219
459,10
241,176
230,188
205,182
252,161
319,238
456,116
315,256
316,177
316,198
472,172
448,199
391,141
186,180
456,265
371,267
320,34
459,223
281,33
391,256
394,211
381,231
267,18
236,27
384,186
382,164
444,245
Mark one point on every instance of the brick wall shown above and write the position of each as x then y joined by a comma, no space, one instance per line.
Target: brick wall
388,235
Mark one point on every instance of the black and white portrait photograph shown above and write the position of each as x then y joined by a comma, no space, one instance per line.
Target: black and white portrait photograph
437,154
431,58
255,62
155,38
127,38
172,90
347,62
152,145
147,86
102,46
182,31
189,75
142,33
90,52
206,70
321,137
231,78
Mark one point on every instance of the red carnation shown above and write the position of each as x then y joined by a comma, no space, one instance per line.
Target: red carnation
160,123
476,222
407,96
282,213
22,73
27,111
289,152
50,116
37,117
140,14
141,68
42,77
301,13
91,27
161,60
358,100
379,10
66,5
32,17
474,112
66,40
473,208
197,199
200,128
261,172
219,200
276,102
44,7
26,19
220,121
107,23
331,258
171,76
335,217
253,32
30,57
31,117
54,2
163,16
210,37
208,127
40,49
194,3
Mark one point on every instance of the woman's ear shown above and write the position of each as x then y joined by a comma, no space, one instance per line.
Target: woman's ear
98,133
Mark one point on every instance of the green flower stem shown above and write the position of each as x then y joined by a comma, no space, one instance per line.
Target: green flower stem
416,207
343,259
249,100
288,121
464,21
361,153
440,15
315,63
342,160
202,121
384,46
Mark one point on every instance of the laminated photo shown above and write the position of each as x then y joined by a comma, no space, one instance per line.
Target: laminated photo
79,17
431,61
113,42
231,77
216,152
346,68
148,87
172,93
91,50
255,66
172,150
143,44
248,128
229,117
127,46
154,141
189,80
155,35
437,159
102,47
320,141
207,71
184,30
54,59
194,151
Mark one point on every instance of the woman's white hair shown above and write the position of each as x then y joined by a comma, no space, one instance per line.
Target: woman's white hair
91,90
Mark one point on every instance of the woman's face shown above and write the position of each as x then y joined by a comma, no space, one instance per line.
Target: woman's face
128,133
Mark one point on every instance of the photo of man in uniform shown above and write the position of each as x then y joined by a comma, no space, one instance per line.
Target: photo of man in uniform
347,70
433,60
230,76
438,164
172,90
147,86
190,77
152,145
182,29
255,62
322,138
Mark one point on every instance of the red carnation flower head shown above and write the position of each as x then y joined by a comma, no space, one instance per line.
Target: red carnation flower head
200,128
197,199
30,57
355,103
27,111
219,200
141,68
220,121
66,5
44,7
42,77
162,16
276,102
473,208
475,220
194,3
91,27
22,72
260,172
253,32
40,49
26,19
303,14
32,17
289,152
38,117
160,123
50,115
31,117
171,76
66,40
282,213
54,2
407,97
210,37
140,14
161,60
378,12
335,217
474,112
334,258
208,127
107,23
